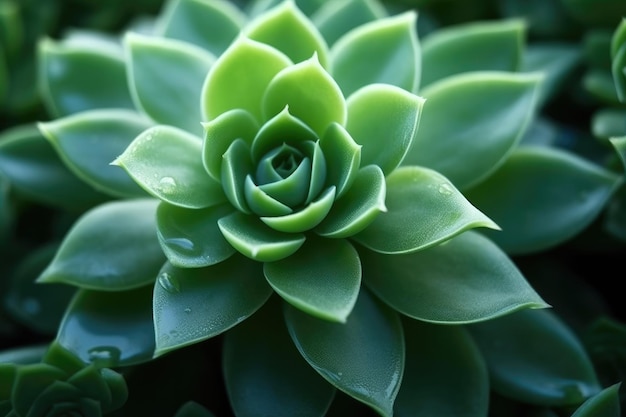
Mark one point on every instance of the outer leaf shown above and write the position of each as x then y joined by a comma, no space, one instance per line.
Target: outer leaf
21,355
466,139
382,51
88,141
342,352
608,122
67,72
110,248
323,278
286,28
191,305
619,143
604,404
166,78
383,119
209,24
193,409
445,374
109,328
239,78
335,18
534,358
441,213
265,374
167,162
474,46
465,280
567,192
618,70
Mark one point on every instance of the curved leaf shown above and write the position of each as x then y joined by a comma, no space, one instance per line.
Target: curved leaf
608,123
382,51
88,141
195,304
604,404
533,357
111,247
305,219
335,18
441,213
568,192
342,352
343,157
471,122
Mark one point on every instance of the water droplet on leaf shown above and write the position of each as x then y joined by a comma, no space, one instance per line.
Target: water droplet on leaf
104,356
445,189
187,310
169,283
167,185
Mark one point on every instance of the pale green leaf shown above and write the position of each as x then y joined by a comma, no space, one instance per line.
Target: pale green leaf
606,403
342,155
335,18
236,170
305,218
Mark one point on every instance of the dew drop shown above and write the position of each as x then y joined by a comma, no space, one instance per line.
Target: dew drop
167,185
105,356
445,189
187,310
169,283
181,244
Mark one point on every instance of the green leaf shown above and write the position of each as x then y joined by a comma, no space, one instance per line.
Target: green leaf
191,238
534,358
167,162
77,77
471,122
342,352
166,78
335,18
209,24
112,247
619,143
265,374
195,304
465,280
286,28
306,218
236,175
444,375
256,240
606,403
239,78
383,119
193,409
91,385
618,70
34,169
323,278
21,355
109,328
343,157
608,122
601,86
30,382
309,92
442,213
382,51
473,46
87,142
568,193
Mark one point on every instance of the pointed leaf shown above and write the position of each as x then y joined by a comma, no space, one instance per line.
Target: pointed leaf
306,218
323,278
467,279
88,141
191,238
111,247
604,404
30,382
383,119
535,358
335,18
265,374
239,78
342,352
618,70
236,176
166,78
466,139
442,213
382,51
167,162
342,155
195,304
568,194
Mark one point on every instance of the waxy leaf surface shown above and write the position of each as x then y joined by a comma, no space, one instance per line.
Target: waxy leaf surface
604,404
335,18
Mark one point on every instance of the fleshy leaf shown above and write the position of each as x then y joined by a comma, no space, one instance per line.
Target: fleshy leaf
323,278
286,28
382,51
335,18
606,403
619,143
568,192
190,238
467,279
166,78
193,409
474,46
236,170
195,304
423,209
342,352
466,139
167,162
383,119
239,78
342,155
30,382
618,59
309,92
74,77
445,373
209,24
261,203
111,247
608,122
256,240
265,374
88,141
358,208
95,320
535,358
305,218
